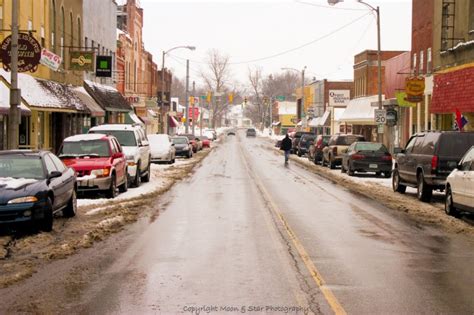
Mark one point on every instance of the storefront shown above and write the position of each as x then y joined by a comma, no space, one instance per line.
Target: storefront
452,91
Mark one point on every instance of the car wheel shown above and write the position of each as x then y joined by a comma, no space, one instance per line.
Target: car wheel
350,171
396,186
46,224
378,173
146,178
423,191
71,208
449,204
112,191
332,164
124,187
343,169
137,180
298,153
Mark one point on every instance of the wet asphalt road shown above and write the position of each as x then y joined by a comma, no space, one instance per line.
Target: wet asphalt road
246,231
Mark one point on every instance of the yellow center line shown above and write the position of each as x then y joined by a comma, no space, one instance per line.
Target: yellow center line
310,266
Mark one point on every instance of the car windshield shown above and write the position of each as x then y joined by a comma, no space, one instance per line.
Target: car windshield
368,146
126,138
456,145
348,140
90,148
180,140
17,166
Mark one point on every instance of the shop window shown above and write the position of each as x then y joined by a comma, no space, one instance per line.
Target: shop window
421,61
429,62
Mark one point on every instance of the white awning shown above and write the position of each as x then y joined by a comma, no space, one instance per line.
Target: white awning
320,121
135,118
360,111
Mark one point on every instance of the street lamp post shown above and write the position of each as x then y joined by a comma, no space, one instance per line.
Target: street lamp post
162,93
302,88
379,61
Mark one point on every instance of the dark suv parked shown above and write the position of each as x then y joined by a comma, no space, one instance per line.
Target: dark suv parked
427,160
296,140
304,143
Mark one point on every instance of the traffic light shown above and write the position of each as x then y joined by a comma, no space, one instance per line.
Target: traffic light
208,99
245,100
191,100
231,97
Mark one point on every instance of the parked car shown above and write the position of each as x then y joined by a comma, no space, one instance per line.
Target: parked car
315,151
332,154
182,146
135,145
428,158
206,142
304,143
99,163
34,185
161,148
367,157
251,132
195,142
210,133
296,139
460,186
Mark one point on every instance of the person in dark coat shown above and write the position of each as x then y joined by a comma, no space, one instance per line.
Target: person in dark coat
286,146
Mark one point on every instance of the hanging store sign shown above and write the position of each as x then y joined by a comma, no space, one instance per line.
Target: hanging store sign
103,66
50,59
81,61
29,53
415,88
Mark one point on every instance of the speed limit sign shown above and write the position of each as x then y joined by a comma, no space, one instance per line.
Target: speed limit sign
380,116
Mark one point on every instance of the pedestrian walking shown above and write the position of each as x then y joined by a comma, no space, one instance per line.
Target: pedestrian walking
286,146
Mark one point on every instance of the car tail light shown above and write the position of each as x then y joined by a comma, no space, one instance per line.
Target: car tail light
387,157
358,156
434,162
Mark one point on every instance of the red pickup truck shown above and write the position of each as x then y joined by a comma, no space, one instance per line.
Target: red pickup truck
99,163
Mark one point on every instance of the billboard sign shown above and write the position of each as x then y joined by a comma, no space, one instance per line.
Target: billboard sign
29,53
81,61
339,98
50,59
103,66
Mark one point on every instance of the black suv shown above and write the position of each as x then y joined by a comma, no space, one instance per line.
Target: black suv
251,132
296,140
427,160
304,143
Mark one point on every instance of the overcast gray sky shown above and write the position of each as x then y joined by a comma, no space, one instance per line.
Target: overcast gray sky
272,34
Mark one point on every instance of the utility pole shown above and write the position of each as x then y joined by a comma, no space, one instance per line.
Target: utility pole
162,97
15,93
192,113
186,123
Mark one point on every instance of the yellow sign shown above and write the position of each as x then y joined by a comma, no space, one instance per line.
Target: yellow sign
415,88
231,97
402,100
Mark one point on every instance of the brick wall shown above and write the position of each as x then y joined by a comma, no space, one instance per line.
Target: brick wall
422,29
454,90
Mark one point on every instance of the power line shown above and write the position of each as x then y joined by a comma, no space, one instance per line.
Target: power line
327,6
292,49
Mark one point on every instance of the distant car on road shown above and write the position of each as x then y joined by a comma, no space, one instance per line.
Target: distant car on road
182,146
33,186
367,157
304,143
231,132
195,142
206,142
99,162
251,132
460,186
161,148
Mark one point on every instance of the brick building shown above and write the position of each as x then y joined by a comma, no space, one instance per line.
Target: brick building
453,61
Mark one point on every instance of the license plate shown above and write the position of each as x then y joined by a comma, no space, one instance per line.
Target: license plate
373,166
82,183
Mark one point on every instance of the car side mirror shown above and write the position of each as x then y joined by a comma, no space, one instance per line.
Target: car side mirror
118,155
54,174
398,150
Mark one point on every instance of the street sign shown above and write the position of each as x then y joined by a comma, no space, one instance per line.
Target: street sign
380,116
380,128
280,98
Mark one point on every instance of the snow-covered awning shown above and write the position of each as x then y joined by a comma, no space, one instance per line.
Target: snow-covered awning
45,94
94,108
300,123
107,97
5,101
276,123
361,111
135,118
320,121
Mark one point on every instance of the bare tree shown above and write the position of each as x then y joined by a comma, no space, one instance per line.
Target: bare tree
216,77
255,111
178,89
281,84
